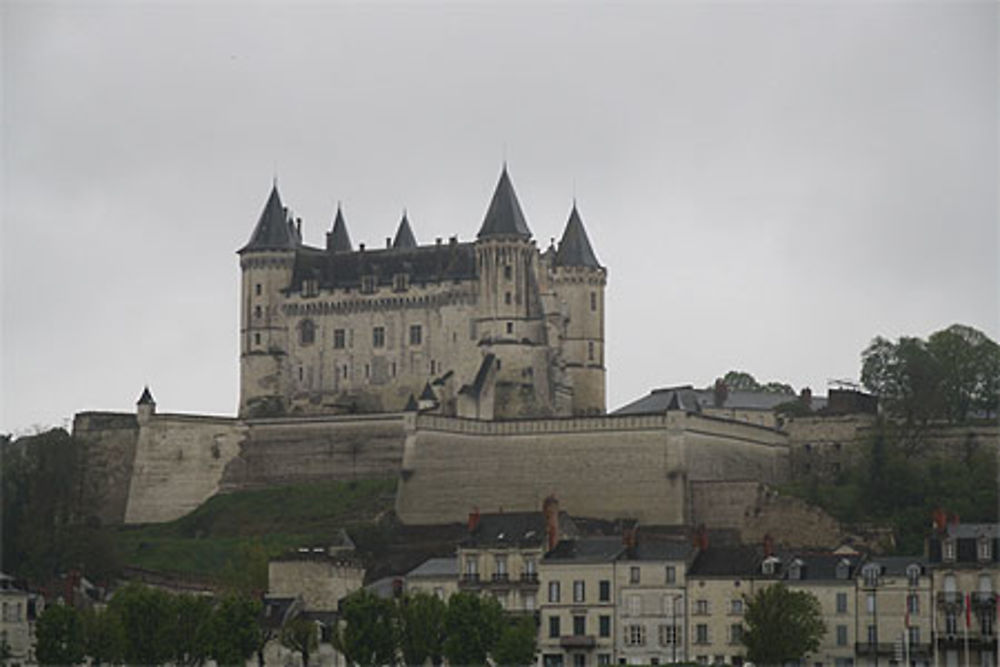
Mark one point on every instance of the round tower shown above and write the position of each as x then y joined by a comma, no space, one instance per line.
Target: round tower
266,261
578,280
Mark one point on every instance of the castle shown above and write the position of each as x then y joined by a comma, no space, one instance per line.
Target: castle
487,329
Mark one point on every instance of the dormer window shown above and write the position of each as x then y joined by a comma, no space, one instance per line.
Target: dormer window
948,549
984,549
310,287
401,282
770,565
870,573
843,568
795,569
913,575
368,284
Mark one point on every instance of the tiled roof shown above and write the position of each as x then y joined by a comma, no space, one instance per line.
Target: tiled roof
146,398
514,529
504,216
586,549
575,248
738,561
274,231
435,567
694,400
648,548
339,240
404,235
819,566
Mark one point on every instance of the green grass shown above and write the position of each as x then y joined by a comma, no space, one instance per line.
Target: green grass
273,520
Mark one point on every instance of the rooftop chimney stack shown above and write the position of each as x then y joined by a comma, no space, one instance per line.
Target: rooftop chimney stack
550,509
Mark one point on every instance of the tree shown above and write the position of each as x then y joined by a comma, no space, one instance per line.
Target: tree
740,381
299,634
368,634
234,630
782,625
421,628
472,626
104,637
245,574
970,364
193,627
60,639
517,644
148,617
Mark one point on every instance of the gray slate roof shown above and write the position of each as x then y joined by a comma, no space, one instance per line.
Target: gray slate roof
339,240
649,548
504,216
146,398
514,529
274,231
575,248
435,567
587,550
688,398
737,561
404,235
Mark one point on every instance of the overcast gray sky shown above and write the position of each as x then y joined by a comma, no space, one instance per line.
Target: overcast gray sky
769,184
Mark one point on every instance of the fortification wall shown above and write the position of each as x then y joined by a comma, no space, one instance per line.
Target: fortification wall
109,441
309,449
179,461
603,467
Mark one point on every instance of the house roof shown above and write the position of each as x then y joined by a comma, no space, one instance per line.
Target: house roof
820,566
597,549
435,567
575,248
897,565
274,230
727,561
663,548
404,235
514,529
686,397
504,217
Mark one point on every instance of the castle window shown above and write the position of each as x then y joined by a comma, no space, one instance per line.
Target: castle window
394,369
590,351
257,289
368,284
257,311
310,287
508,273
256,339
510,327
307,332
507,298
593,300
416,334
400,282
432,367
368,370
338,339
301,374
378,337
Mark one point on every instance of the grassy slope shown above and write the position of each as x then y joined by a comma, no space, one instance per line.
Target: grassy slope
202,542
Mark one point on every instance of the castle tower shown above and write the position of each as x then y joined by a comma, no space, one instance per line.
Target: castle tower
579,280
145,407
509,322
266,261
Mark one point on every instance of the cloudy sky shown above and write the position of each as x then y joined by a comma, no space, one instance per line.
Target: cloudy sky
769,184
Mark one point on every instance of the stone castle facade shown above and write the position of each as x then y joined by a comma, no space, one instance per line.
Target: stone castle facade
493,328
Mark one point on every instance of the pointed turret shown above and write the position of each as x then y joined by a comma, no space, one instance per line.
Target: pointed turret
504,217
145,407
575,248
337,239
404,235
274,231
146,398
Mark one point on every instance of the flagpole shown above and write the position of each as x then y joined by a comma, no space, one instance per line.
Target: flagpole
968,613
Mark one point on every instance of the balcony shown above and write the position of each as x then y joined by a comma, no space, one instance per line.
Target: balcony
981,599
950,598
578,641
500,578
881,648
469,579
529,577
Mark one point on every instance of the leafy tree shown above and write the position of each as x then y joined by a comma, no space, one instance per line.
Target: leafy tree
782,625
235,632
245,574
778,388
104,637
472,626
150,623
421,628
517,644
60,639
970,371
740,381
193,626
368,635
299,634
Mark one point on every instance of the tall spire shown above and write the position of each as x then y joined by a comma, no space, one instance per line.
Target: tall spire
404,235
338,240
273,231
504,216
575,248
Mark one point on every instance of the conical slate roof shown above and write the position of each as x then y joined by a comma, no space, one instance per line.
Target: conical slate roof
404,235
340,240
504,217
273,230
575,248
146,398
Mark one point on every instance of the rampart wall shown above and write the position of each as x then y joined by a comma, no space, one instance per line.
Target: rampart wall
109,442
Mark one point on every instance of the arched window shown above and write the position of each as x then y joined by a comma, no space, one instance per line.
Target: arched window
307,332
913,574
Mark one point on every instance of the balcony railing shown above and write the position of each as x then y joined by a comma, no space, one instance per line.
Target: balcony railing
578,641
950,597
529,577
982,599
500,578
470,578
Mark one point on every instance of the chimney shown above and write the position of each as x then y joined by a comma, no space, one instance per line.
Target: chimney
397,587
473,519
768,545
453,241
550,510
298,226
361,247
806,396
629,537
388,242
939,520
700,537
437,241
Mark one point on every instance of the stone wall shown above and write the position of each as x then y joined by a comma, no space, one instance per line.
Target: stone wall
179,461
291,451
602,467
320,580
109,441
